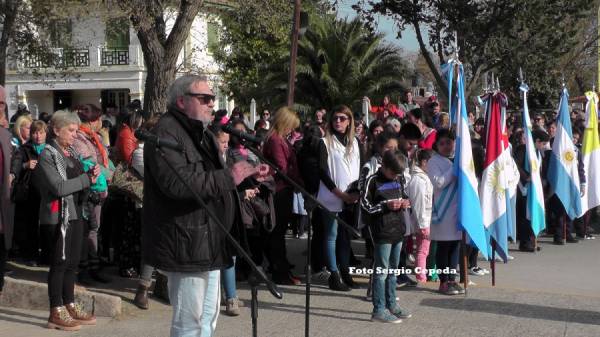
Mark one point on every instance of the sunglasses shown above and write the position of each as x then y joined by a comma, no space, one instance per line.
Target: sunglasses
203,98
340,118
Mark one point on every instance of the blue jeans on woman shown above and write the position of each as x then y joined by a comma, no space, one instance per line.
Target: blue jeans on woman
387,256
335,248
228,281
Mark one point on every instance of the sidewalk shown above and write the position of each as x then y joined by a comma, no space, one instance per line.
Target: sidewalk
550,293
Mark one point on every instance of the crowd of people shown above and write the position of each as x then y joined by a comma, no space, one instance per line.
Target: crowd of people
79,191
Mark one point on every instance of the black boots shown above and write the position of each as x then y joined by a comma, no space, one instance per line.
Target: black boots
335,282
347,278
141,297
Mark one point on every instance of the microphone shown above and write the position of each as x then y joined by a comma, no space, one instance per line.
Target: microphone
151,138
240,134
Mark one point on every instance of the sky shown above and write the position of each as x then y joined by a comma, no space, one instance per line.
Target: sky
409,40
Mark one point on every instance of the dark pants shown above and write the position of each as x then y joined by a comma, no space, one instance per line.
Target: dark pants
318,237
61,277
3,254
561,219
275,242
27,228
447,255
524,232
47,243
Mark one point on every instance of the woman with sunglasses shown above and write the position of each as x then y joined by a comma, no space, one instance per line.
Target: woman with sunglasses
339,166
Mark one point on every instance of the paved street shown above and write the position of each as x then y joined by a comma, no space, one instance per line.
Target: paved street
551,293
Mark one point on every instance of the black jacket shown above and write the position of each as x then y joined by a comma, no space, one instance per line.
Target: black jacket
177,233
388,226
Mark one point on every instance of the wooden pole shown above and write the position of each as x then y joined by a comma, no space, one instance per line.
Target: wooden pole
294,54
564,229
493,263
463,252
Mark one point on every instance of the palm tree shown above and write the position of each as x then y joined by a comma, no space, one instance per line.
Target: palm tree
341,61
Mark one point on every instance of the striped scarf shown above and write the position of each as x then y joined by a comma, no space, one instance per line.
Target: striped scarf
59,162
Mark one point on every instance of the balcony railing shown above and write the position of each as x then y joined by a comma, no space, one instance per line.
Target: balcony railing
114,57
59,58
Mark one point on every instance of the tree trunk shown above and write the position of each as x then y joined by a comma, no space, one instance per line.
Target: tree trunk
434,70
10,13
160,54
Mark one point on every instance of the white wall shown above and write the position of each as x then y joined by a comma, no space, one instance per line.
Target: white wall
44,99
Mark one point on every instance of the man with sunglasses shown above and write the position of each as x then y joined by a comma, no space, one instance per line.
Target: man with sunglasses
178,236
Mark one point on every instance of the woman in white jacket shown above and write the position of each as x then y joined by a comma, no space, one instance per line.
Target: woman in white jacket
420,193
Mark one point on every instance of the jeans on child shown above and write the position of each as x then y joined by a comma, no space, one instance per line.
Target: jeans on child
228,281
387,256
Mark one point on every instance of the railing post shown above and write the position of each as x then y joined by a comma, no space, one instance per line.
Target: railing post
252,113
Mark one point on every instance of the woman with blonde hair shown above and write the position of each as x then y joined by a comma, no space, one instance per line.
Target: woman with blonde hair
339,166
279,150
21,130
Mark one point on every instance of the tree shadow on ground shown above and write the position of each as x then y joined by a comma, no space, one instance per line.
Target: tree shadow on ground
515,309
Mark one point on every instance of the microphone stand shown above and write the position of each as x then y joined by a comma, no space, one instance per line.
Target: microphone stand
257,274
312,204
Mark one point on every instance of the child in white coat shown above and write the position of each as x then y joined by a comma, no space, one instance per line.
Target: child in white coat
420,193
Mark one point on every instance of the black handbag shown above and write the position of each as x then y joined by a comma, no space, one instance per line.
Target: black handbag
20,189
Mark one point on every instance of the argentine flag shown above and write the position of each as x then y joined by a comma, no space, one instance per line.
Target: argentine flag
591,154
535,191
500,177
469,213
562,171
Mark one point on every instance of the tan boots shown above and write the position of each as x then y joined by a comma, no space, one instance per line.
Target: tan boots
61,319
69,318
79,315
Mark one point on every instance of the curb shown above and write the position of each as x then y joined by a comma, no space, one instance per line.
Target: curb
34,296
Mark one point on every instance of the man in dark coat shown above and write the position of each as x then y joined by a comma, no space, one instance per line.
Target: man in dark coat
6,206
178,236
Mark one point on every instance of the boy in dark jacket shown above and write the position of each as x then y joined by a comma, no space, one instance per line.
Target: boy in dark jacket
383,203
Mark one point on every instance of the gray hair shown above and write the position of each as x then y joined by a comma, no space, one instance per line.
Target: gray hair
181,86
62,118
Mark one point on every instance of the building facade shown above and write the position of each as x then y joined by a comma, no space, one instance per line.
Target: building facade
103,65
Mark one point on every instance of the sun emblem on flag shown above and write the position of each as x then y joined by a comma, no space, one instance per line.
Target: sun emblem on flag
534,166
569,156
497,182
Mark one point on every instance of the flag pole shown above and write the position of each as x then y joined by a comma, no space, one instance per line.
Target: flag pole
463,251
564,229
464,258
493,263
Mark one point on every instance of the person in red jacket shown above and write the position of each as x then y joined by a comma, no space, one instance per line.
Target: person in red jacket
279,150
415,116
126,142
386,106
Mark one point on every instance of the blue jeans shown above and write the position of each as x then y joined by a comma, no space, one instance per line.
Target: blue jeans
331,239
387,255
195,298
228,281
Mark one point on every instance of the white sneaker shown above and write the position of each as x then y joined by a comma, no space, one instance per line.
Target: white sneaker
510,257
322,276
476,271
471,283
485,271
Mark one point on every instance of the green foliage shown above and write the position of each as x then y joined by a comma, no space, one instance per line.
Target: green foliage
256,34
493,35
341,61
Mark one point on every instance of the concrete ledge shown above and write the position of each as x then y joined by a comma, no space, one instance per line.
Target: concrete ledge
34,295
